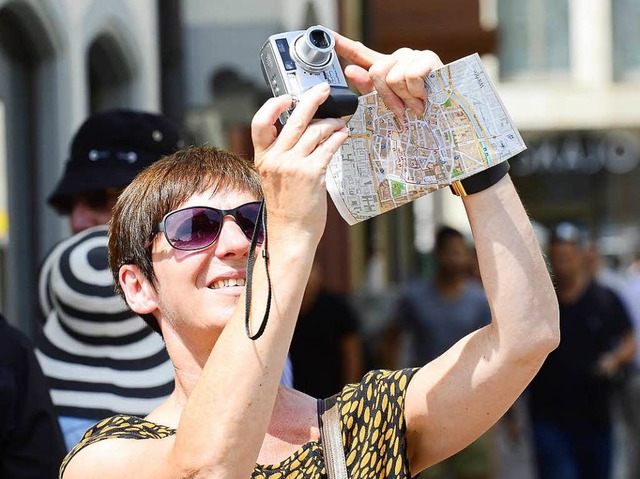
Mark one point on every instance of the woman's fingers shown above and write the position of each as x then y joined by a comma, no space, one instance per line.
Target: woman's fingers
406,80
302,115
360,78
399,78
356,52
317,133
379,73
421,65
263,126
300,137
325,150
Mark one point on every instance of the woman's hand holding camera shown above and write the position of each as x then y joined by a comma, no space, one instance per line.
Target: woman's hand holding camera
293,163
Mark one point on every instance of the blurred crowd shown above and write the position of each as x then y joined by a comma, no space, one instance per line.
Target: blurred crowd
579,416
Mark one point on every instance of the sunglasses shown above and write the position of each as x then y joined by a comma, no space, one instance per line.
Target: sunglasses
198,227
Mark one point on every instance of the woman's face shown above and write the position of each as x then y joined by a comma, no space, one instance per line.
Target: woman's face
198,290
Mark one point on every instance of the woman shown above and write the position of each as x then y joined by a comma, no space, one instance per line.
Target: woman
227,416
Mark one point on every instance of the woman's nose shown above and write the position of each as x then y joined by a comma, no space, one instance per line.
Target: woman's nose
232,239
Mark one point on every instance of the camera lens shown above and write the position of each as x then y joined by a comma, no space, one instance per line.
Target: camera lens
315,48
319,39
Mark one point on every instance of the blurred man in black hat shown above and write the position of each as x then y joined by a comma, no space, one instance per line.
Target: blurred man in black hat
106,153
98,356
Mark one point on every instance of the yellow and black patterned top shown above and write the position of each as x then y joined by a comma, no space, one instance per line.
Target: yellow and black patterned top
371,419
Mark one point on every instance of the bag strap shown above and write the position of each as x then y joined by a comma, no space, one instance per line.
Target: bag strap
331,436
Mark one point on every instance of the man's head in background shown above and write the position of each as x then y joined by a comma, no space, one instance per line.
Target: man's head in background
451,253
568,253
107,152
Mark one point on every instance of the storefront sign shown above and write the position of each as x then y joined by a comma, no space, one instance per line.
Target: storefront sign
579,152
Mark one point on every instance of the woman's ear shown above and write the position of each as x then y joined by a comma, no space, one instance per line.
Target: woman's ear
139,291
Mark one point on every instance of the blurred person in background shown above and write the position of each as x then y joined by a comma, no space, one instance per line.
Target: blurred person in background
326,349
31,445
433,315
570,397
98,356
437,312
629,390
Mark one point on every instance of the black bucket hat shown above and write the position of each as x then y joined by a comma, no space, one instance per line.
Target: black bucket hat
110,149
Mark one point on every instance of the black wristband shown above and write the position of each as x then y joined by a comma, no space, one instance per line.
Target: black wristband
480,181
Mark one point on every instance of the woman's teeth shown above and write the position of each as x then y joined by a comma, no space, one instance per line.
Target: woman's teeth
226,283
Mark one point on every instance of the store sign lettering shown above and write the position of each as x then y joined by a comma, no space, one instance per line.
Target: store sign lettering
582,153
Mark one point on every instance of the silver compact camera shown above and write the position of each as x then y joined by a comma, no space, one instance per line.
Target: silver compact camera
293,62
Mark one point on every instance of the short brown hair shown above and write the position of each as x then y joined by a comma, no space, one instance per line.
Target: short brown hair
163,187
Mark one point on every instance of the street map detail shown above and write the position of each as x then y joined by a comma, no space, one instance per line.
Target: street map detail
386,163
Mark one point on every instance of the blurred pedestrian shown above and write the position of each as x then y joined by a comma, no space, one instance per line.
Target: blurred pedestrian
629,390
326,349
570,397
433,315
106,153
99,357
31,445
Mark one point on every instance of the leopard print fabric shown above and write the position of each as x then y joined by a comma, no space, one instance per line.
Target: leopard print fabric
372,423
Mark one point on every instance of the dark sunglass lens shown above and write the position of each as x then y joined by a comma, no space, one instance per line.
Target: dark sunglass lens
246,217
193,228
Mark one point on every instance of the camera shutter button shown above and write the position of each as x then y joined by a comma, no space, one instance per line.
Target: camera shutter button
275,87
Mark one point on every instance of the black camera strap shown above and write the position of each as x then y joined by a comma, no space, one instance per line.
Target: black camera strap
261,224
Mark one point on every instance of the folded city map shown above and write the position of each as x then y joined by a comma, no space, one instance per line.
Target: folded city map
386,163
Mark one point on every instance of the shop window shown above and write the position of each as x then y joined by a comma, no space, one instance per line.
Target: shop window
109,75
533,38
626,39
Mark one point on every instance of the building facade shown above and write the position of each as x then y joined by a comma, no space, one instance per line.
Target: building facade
567,70
569,73
59,61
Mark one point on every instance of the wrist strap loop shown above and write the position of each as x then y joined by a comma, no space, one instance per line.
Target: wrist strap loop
261,223
480,181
